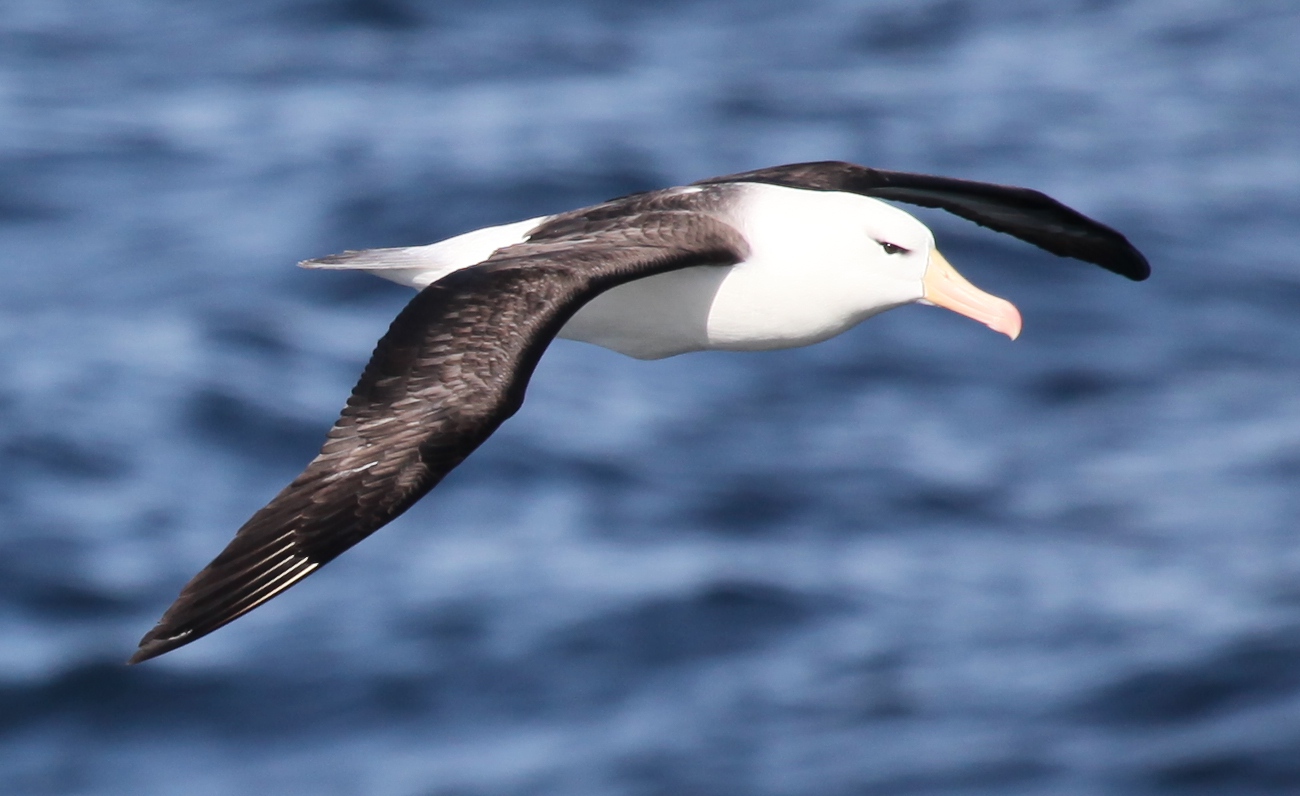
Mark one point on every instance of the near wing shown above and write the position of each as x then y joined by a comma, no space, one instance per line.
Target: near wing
453,366
1026,214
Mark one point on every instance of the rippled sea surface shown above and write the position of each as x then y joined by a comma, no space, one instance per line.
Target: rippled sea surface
916,559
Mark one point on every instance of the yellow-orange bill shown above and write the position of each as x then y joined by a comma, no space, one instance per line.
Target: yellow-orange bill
946,288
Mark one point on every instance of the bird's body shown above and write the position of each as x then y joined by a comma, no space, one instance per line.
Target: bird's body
776,258
796,285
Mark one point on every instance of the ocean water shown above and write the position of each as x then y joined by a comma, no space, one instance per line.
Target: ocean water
917,559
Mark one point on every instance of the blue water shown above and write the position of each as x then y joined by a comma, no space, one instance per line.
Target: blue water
916,559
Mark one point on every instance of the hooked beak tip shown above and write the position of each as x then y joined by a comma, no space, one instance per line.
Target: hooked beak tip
1009,322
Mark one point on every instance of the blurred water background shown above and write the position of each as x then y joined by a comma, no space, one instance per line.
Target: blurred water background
916,559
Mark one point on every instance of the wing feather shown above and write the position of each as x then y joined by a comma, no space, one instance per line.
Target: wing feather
1032,216
453,366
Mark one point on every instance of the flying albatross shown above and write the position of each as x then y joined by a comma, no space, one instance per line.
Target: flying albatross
773,258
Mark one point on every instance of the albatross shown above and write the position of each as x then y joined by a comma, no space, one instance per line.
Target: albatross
773,258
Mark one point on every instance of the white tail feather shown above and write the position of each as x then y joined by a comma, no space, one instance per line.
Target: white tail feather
421,266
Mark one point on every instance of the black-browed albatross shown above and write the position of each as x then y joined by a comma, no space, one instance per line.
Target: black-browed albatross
774,258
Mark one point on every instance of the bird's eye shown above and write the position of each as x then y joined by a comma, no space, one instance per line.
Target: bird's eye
891,248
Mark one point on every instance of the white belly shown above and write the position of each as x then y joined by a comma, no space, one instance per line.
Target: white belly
652,318
731,308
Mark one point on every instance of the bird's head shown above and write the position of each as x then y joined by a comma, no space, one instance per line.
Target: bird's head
903,261
819,263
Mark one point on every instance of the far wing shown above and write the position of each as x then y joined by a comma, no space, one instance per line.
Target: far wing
453,366
1026,214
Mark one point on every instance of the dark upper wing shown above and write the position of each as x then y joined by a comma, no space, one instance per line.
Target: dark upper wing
453,366
1029,215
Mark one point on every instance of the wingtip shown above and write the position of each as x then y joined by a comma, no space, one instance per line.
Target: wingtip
155,644
1142,273
143,654
1111,250
1135,265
